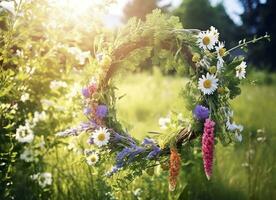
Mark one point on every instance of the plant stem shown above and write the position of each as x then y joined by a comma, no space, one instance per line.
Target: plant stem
248,42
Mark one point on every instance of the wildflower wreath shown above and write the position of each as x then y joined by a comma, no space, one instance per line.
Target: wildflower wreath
214,78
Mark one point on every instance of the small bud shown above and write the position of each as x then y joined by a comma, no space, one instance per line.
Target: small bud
222,52
212,69
221,90
196,57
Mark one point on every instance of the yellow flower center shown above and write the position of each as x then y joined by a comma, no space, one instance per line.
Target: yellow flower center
206,40
239,69
93,159
101,137
207,84
23,134
222,52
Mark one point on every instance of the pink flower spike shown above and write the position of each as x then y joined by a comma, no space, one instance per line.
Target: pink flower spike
208,147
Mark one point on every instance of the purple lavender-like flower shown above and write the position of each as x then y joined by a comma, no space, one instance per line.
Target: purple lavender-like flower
87,111
101,111
84,126
135,152
114,169
155,152
85,92
148,141
122,155
201,112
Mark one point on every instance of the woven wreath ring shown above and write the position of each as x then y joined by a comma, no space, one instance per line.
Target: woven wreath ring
213,81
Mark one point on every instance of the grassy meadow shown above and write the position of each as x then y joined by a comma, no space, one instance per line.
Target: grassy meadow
241,171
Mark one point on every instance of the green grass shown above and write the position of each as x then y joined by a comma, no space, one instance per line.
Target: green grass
241,171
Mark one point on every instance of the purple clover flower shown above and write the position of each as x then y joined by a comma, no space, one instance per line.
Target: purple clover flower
201,112
85,92
87,111
101,111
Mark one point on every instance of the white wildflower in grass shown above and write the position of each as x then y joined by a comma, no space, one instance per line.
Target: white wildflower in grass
164,122
207,39
24,134
43,179
208,84
57,84
92,158
46,103
80,55
25,97
238,137
233,126
240,70
101,137
39,116
27,155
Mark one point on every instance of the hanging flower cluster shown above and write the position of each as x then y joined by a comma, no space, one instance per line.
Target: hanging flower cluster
208,146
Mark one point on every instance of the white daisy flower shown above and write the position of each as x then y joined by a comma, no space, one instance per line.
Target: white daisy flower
101,137
57,84
240,70
214,32
24,134
206,40
43,179
220,50
25,97
39,116
208,84
164,121
92,158
27,155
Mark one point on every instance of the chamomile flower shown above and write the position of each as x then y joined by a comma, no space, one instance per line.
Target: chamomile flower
27,155
92,158
101,137
206,40
214,32
220,50
24,134
208,84
43,179
25,97
240,70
